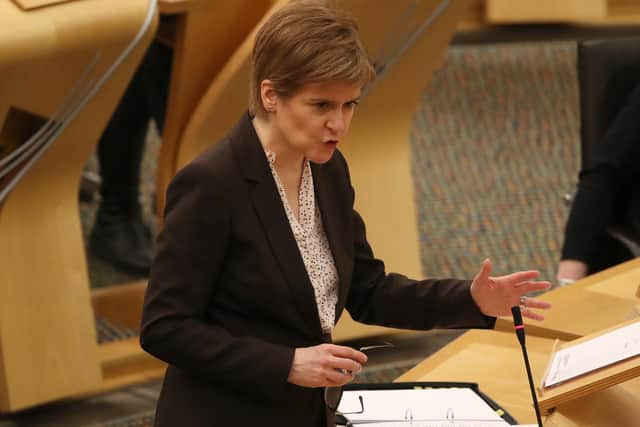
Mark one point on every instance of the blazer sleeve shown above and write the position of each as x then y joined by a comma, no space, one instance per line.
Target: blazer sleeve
391,299
189,257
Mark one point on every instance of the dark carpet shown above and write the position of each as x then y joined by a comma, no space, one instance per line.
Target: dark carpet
495,147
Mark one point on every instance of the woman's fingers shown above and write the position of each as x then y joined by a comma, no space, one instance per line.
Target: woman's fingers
342,363
519,277
526,287
345,359
535,303
532,314
325,365
347,365
338,377
347,353
531,303
485,270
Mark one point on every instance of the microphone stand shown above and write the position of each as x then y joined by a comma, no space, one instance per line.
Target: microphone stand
519,327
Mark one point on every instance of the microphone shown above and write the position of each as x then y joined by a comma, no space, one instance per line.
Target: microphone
519,326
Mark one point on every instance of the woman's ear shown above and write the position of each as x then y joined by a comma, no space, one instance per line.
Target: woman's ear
268,96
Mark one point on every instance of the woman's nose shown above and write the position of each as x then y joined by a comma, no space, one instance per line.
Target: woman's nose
336,122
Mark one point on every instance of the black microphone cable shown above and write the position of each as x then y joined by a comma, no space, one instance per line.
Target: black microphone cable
519,327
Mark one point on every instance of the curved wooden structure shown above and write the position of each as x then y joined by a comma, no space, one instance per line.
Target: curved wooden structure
204,34
48,347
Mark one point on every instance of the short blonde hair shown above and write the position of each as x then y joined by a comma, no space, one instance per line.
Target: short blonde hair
306,42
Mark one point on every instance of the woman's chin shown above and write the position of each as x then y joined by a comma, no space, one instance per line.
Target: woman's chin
322,158
323,155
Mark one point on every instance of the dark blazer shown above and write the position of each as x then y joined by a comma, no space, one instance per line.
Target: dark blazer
229,298
608,193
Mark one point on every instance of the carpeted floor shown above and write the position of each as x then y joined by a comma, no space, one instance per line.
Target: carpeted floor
495,147
144,419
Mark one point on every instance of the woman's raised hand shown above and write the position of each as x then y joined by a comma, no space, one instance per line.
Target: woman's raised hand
496,295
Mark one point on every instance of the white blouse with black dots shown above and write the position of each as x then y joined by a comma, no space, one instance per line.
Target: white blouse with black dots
312,243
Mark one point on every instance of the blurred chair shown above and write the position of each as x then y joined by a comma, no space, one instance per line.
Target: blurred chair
608,71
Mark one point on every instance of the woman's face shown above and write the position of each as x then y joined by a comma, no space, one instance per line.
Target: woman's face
315,118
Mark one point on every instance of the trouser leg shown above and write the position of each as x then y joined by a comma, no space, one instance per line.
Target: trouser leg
119,235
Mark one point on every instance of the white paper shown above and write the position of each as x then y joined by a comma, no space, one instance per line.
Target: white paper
447,424
425,407
440,424
593,354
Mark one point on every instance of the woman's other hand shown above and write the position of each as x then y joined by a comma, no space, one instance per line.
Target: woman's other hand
325,365
570,270
496,295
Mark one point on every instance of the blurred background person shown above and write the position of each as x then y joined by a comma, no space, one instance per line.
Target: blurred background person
119,235
603,228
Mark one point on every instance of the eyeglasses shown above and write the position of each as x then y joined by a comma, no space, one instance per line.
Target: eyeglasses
333,395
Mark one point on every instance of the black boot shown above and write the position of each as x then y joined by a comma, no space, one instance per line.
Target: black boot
120,237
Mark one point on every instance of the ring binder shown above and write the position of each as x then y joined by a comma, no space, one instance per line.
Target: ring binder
448,413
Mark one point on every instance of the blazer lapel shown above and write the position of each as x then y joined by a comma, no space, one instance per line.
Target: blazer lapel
270,211
332,199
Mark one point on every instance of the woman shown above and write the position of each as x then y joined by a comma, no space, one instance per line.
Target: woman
261,248
603,228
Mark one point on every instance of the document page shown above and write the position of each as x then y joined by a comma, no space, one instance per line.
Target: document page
446,424
438,424
424,407
601,351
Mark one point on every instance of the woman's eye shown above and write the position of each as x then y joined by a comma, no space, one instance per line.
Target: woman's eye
352,104
322,105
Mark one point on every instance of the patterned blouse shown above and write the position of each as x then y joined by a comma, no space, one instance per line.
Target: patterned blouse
312,243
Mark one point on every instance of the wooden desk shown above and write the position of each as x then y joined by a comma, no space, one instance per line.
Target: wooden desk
48,347
494,360
592,304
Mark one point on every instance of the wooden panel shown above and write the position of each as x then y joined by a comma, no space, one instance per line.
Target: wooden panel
378,146
48,346
622,285
474,17
617,406
120,304
124,359
621,12
170,7
33,4
207,34
485,13
510,11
